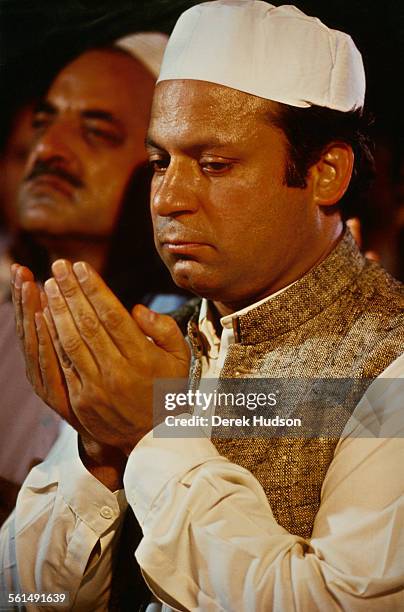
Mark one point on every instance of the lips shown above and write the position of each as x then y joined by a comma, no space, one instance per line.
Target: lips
182,246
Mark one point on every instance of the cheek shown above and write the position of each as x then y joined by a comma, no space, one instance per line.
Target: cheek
237,208
14,172
253,225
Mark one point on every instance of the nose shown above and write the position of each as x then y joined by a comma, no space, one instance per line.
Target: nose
55,145
175,192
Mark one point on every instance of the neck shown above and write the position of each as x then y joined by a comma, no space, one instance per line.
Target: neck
94,252
225,308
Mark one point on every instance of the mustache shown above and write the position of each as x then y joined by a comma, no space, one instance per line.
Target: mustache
169,230
43,168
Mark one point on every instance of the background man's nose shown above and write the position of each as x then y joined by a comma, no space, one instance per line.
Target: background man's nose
53,142
55,147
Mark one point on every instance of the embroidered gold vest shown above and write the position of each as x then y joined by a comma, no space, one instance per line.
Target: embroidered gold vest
344,319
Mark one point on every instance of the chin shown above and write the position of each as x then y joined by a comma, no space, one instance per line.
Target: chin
39,220
43,212
43,200
194,277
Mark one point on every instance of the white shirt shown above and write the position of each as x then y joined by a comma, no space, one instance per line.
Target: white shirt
28,427
210,541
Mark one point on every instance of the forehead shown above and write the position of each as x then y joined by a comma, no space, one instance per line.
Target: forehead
110,78
183,106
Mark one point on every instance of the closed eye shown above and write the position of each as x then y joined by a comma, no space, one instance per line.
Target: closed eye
97,131
41,120
216,168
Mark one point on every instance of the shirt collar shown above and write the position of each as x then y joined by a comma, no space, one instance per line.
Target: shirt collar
207,328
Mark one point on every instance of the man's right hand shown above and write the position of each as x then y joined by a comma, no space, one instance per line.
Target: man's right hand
41,362
47,378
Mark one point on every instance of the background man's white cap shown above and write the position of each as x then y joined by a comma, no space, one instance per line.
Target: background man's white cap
147,47
278,53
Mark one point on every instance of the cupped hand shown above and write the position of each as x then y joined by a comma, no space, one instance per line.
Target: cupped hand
109,358
41,360
48,370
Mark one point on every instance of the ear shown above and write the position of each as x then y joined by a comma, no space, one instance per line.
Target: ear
331,174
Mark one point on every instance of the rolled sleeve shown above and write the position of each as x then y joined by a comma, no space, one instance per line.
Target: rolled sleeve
64,518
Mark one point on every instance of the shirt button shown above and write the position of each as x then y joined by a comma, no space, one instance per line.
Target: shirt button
106,512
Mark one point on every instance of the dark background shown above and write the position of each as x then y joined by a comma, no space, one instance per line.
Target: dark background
38,36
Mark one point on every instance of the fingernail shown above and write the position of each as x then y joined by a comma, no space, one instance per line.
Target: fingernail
38,320
152,316
18,281
24,290
13,271
148,316
60,269
51,288
80,270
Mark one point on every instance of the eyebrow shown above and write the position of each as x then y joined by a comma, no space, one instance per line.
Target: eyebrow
149,142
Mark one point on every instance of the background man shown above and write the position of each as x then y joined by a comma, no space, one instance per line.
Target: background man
85,183
244,209
84,195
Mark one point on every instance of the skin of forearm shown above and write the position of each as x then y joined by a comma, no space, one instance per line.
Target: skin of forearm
105,463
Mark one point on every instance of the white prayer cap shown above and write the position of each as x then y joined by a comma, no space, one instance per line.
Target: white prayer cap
147,47
278,53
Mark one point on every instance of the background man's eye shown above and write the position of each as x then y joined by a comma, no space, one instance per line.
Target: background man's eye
40,121
95,133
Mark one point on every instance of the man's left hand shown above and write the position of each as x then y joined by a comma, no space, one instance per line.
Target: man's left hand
114,356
